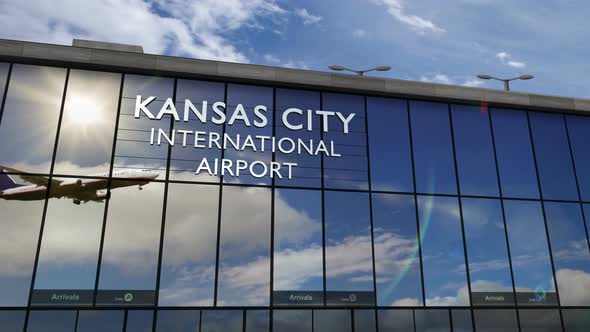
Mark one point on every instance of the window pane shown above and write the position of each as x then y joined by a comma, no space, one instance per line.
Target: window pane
539,320
570,252
190,246
397,259
100,321
19,233
88,123
489,269
131,244
71,242
292,320
249,97
364,320
139,321
462,320
178,321
244,252
432,320
298,257
222,320
497,320
475,152
52,321
576,320
185,159
257,321
579,135
30,117
395,320
443,257
12,320
308,172
553,156
350,170
134,150
533,276
389,143
433,149
349,270
515,154
332,320
3,75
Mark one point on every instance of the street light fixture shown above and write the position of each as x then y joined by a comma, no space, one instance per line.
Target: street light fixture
505,80
360,72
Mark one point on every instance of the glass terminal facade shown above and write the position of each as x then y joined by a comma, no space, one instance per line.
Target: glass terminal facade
422,216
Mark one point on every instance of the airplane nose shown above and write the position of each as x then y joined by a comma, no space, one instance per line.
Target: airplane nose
155,176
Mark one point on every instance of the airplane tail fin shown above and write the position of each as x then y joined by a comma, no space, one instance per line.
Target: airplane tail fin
6,182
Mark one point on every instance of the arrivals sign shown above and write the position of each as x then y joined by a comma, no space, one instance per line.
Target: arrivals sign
219,113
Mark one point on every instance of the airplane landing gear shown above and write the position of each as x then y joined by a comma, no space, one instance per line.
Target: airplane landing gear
77,202
140,188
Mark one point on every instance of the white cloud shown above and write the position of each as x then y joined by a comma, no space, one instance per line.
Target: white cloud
359,33
406,302
444,79
179,27
574,287
307,17
396,9
271,58
506,58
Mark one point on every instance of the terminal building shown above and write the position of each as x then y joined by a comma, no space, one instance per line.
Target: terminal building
142,192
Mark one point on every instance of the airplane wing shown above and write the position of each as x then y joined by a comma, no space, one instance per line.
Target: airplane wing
33,179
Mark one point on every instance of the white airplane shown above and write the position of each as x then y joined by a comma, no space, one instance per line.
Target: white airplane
79,190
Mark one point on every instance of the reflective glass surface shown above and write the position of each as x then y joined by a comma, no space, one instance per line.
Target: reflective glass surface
462,320
292,320
332,321
365,320
257,321
139,321
395,320
543,320
432,320
579,135
496,320
100,321
221,320
576,320
178,320
52,321
12,320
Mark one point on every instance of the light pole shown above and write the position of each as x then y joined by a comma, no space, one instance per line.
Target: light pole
360,72
505,80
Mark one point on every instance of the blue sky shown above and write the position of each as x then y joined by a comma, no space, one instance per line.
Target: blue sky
421,39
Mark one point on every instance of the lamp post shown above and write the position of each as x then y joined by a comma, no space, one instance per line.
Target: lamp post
505,80
360,72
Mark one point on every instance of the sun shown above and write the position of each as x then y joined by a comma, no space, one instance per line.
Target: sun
83,111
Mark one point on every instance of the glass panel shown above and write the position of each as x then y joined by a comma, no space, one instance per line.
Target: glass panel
395,320
130,256
332,321
364,320
533,276
397,259
308,172
100,321
88,123
491,282
433,148
249,97
12,320
497,320
222,321
515,154
349,270
133,150
257,321
579,135
178,321
139,321
21,208
244,252
71,241
576,320
553,156
186,158
30,117
443,257
539,320
432,321
389,143
475,152
461,320
190,246
3,75
52,321
298,257
292,320
571,256
350,170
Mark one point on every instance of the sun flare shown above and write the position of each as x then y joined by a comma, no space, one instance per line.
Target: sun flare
83,111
